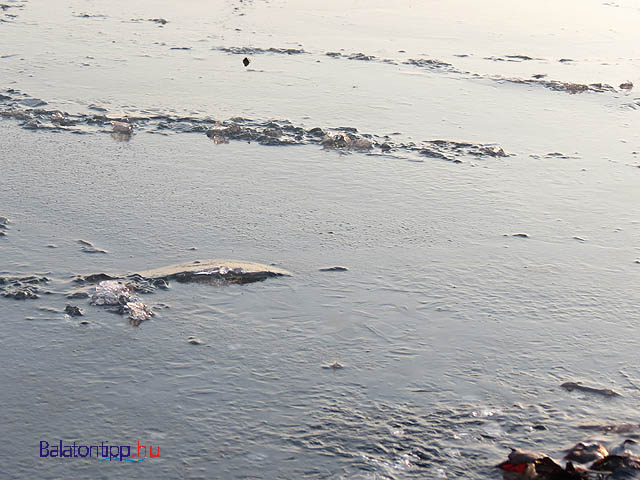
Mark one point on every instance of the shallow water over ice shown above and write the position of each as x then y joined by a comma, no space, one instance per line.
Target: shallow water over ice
454,337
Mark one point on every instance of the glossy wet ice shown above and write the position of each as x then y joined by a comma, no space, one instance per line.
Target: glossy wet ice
454,334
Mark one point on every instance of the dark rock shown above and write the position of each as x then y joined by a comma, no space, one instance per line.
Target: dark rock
94,278
226,271
618,464
73,311
317,132
23,293
76,295
586,452
22,288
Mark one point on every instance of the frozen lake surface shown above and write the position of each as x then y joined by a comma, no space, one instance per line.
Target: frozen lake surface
490,233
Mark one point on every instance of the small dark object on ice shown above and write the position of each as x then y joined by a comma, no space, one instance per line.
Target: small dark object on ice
626,85
73,311
334,269
521,235
607,392
246,62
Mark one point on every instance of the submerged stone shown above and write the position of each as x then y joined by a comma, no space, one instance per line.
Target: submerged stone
22,288
607,392
73,311
29,292
586,452
346,141
228,271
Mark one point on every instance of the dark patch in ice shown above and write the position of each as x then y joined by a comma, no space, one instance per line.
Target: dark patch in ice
427,63
22,288
519,57
269,133
362,57
89,15
5,7
559,86
97,108
437,65
553,155
258,51
33,102
511,58
4,225
180,48
160,21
